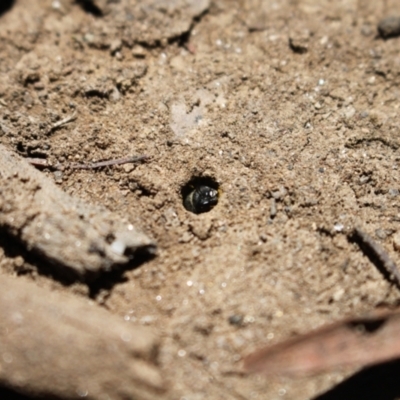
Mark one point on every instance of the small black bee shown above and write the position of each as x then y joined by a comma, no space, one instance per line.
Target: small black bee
201,199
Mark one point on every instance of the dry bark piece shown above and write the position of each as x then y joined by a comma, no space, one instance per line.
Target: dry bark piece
59,345
389,27
65,230
350,342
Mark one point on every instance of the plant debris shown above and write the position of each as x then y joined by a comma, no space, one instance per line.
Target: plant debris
87,352
62,229
353,341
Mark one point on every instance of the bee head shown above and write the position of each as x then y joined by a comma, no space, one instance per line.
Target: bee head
200,195
204,198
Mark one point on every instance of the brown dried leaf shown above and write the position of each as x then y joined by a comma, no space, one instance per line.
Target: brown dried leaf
350,342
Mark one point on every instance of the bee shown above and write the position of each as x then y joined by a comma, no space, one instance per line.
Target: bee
201,199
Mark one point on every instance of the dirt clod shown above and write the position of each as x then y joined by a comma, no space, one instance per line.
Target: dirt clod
389,27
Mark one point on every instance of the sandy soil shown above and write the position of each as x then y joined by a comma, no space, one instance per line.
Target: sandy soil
290,106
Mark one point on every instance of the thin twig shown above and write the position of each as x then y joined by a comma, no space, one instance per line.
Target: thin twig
41,163
380,253
63,122
117,161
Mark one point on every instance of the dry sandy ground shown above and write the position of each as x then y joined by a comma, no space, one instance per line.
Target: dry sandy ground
291,107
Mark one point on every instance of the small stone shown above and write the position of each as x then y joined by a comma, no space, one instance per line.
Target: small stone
128,168
115,95
58,176
185,238
18,261
396,241
389,27
318,105
201,229
38,85
118,247
349,112
138,52
338,227
338,94
299,41
381,234
236,319
116,45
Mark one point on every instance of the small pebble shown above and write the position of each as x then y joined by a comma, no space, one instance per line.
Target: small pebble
118,247
128,168
349,112
389,27
18,261
236,319
338,294
138,51
299,41
338,227
116,45
396,241
381,234
58,176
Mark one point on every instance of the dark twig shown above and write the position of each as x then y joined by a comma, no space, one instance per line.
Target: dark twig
381,255
41,163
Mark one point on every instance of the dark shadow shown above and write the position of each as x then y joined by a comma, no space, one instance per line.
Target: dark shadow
107,280
367,326
6,5
89,7
13,248
183,39
96,282
380,382
297,48
8,394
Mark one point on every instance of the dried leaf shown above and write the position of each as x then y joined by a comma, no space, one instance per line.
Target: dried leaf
350,342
